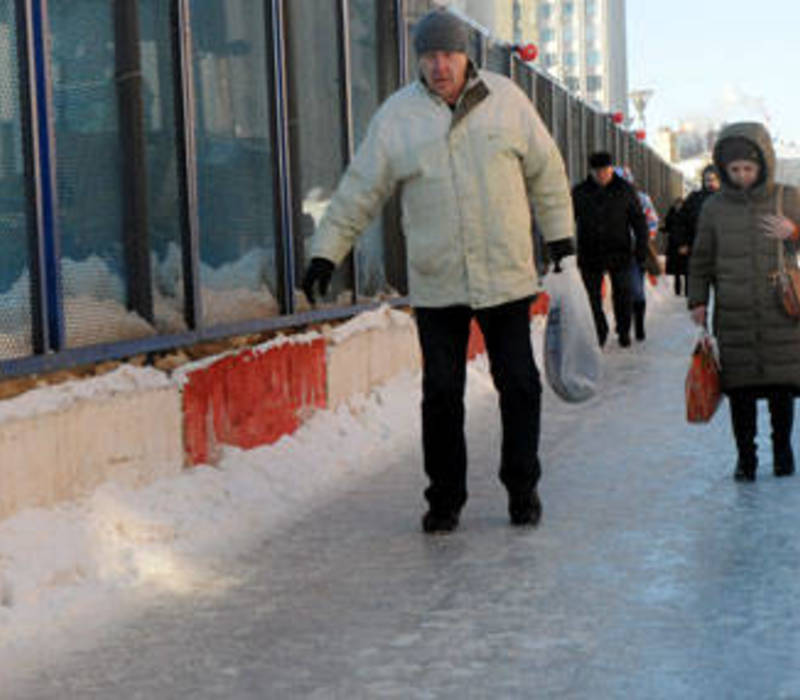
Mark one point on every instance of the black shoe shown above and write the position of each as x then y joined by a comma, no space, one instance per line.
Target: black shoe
439,522
745,470
624,341
783,461
638,319
525,510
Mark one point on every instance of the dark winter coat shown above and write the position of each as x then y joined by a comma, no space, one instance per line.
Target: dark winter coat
677,264
604,219
759,345
689,215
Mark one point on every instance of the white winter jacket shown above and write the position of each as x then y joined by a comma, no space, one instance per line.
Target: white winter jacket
468,179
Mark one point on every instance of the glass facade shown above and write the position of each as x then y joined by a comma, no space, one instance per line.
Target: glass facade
171,123
317,128
235,179
365,81
15,272
89,164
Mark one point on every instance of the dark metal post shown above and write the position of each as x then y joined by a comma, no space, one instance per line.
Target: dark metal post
402,41
26,60
49,230
135,234
284,166
187,162
345,66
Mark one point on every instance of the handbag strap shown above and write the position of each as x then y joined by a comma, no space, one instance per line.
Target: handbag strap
779,211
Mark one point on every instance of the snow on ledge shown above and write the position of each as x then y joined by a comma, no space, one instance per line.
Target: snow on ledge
181,374
50,399
382,318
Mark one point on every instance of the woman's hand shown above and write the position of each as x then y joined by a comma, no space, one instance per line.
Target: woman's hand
699,315
779,227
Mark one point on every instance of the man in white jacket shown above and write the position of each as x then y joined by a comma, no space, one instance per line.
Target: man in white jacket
471,157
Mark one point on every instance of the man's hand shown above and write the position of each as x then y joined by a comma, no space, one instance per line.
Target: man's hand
319,271
684,250
560,249
778,227
699,314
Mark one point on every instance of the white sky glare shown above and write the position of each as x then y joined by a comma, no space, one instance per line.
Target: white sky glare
717,60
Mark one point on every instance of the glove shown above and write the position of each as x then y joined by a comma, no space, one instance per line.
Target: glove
560,249
319,271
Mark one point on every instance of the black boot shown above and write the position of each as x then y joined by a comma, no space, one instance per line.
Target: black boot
782,460
638,319
781,411
434,522
743,419
525,509
746,466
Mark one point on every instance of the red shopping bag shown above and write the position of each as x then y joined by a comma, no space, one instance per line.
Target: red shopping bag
703,394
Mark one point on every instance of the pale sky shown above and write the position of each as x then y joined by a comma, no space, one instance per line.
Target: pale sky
719,60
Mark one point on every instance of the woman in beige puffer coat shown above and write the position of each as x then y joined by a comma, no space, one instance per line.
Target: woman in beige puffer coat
735,254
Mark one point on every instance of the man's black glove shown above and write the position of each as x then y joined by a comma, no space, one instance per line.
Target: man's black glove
560,249
320,271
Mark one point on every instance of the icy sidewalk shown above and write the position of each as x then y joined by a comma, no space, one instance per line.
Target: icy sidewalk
298,571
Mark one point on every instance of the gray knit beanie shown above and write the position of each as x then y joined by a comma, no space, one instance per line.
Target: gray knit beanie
440,30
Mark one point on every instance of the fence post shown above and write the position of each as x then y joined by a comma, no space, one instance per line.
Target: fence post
50,235
135,232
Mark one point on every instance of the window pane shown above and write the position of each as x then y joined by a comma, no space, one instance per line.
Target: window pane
89,166
15,306
163,202
238,270
365,62
316,132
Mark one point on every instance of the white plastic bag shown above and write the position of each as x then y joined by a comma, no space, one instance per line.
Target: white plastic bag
572,355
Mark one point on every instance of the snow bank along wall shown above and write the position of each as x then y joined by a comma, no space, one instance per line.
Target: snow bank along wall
138,424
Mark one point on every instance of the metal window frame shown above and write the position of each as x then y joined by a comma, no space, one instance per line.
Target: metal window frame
34,215
49,233
283,161
348,133
186,145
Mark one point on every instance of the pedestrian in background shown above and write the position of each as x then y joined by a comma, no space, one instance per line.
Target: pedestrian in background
607,212
677,263
735,255
638,296
470,157
689,215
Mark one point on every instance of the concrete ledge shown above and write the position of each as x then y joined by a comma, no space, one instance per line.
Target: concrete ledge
251,397
369,350
66,448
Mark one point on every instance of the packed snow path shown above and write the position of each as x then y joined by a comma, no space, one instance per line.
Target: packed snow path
652,574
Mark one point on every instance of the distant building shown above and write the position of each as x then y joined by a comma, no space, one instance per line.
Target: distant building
581,42
665,143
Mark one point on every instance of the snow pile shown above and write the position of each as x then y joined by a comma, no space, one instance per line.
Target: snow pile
124,379
55,563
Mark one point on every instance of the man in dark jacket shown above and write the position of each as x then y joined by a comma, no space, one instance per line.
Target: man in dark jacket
607,211
689,215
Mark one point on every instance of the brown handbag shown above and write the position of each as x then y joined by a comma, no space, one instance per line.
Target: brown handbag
787,276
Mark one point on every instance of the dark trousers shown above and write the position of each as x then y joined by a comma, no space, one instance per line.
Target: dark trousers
744,421
443,336
621,296
677,282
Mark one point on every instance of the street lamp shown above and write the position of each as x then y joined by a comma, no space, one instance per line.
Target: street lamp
640,98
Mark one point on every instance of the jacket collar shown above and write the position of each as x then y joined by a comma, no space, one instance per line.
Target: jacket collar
474,92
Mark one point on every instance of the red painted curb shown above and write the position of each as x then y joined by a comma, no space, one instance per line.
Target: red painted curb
251,398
